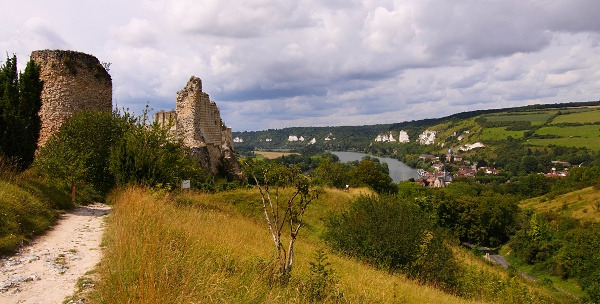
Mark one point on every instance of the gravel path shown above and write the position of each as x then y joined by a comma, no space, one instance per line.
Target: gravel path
46,271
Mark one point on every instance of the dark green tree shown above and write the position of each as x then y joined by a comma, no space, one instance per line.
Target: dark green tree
20,102
332,174
374,176
30,102
9,99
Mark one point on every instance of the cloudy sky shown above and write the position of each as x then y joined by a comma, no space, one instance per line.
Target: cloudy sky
274,63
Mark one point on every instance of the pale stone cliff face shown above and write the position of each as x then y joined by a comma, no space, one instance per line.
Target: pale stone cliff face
73,81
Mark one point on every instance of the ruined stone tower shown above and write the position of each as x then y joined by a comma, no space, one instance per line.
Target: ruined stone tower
73,81
198,118
197,122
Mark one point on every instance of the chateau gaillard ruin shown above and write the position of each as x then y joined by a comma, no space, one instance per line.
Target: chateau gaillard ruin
197,121
74,81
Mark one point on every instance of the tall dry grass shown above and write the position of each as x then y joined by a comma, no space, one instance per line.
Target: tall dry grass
197,250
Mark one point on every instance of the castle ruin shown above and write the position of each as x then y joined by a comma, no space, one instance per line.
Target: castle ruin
197,122
73,81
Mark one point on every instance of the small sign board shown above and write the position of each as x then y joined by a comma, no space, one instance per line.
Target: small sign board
185,184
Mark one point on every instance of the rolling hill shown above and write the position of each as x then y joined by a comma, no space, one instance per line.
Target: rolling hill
568,125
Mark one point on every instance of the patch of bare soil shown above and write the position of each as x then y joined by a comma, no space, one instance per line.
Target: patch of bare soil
46,270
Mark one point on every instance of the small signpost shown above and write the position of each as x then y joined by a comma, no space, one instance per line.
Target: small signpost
185,184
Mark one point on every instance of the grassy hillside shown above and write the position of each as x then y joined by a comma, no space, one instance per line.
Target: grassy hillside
194,249
28,206
582,204
216,248
485,125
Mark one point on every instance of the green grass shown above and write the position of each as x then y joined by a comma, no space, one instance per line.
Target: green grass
28,206
590,116
24,212
591,143
582,204
199,248
500,133
586,131
536,118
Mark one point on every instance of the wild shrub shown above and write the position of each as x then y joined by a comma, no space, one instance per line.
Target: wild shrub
79,154
394,235
321,281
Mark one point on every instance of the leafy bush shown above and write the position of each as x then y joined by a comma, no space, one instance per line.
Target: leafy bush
148,156
394,235
485,218
79,154
332,174
94,151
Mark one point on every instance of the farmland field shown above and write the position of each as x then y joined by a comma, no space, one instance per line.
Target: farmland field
272,155
592,116
536,118
591,143
499,133
587,131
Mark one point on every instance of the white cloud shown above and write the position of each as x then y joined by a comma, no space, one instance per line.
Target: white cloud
272,63
561,80
138,32
38,34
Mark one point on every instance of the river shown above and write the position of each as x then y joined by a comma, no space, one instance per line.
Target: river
398,170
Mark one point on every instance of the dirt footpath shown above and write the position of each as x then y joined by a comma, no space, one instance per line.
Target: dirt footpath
46,271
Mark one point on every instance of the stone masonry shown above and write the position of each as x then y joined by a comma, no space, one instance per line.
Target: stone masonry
73,81
197,122
198,118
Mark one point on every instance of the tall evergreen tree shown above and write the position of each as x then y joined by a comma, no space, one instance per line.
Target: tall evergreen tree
20,102
30,102
9,94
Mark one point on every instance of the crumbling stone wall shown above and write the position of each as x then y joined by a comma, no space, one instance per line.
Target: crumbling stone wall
167,119
198,124
198,118
73,81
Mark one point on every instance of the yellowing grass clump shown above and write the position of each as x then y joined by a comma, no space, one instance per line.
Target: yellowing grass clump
194,249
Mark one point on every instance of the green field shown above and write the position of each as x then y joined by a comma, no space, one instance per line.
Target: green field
591,143
586,131
536,118
499,133
591,116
